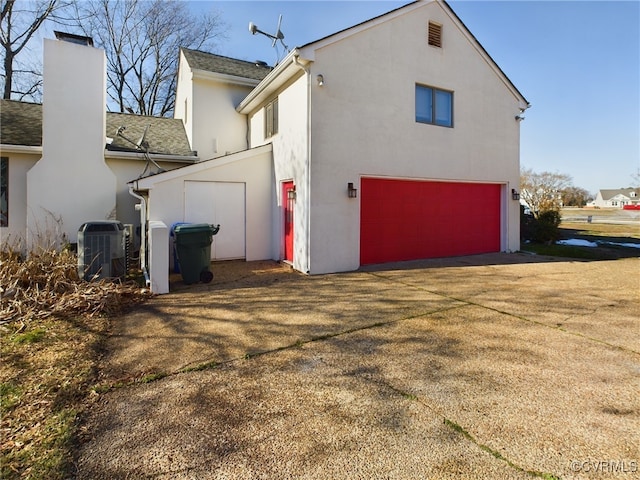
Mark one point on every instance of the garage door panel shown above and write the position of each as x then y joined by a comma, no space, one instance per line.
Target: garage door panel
218,203
405,220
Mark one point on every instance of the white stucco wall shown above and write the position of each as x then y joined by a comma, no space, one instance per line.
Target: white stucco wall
217,128
184,97
213,126
126,170
71,184
364,125
253,167
19,164
290,153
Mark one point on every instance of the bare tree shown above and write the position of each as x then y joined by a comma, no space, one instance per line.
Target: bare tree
141,40
17,27
575,197
542,192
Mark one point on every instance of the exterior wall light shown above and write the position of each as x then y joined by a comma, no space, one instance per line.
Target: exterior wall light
351,190
291,194
514,194
320,80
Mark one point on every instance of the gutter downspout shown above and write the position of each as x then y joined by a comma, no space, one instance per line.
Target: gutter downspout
142,208
307,71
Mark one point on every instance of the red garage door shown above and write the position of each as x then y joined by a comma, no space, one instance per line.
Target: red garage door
408,220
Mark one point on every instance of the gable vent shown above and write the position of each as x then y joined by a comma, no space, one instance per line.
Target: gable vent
435,34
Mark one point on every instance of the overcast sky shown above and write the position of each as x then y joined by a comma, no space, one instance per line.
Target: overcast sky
577,62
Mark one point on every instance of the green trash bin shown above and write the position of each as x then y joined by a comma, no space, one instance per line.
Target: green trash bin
193,248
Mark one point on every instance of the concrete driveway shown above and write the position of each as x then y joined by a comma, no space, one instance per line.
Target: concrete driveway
492,366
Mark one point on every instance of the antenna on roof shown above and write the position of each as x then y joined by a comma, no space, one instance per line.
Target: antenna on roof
253,28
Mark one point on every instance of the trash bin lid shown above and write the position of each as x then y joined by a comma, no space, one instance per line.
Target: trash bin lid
196,228
174,226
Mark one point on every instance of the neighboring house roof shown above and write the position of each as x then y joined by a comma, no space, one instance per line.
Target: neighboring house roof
627,192
21,124
228,66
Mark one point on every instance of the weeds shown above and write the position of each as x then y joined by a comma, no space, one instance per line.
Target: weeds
32,336
46,284
51,325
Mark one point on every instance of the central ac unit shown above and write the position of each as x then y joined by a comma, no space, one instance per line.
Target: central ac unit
102,250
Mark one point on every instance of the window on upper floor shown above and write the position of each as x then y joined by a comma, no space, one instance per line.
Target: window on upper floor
434,106
4,192
271,119
435,35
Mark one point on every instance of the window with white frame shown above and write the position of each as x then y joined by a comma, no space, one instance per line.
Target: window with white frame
434,106
271,119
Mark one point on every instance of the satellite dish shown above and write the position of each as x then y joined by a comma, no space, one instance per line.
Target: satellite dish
142,143
253,28
279,35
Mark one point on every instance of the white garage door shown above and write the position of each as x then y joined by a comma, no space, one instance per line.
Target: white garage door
218,203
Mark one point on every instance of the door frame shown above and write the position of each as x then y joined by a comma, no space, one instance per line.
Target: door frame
288,208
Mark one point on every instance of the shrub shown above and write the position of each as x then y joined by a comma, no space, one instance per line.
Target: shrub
547,224
541,229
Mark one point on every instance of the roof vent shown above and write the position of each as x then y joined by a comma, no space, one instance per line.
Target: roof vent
435,34
71,38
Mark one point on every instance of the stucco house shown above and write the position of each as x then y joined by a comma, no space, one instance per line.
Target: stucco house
358,148
364,145
616,198
62,161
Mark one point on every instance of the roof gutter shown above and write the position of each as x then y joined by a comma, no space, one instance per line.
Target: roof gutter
29,149
114,154
274,80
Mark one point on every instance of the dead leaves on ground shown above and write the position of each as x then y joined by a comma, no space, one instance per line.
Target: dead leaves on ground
46,284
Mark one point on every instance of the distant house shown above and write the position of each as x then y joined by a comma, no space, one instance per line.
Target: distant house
358,148
616,198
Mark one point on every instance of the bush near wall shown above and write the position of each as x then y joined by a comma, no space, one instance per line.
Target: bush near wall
543,229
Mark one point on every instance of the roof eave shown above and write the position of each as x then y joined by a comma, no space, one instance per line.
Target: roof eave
524,103
224,78
282,73
308,50
27,149
120,155
148,183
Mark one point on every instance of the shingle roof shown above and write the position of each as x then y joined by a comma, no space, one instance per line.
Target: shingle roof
165,136
229,66
608,194
21,124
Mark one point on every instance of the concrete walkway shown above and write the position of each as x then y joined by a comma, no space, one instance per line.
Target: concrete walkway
492,366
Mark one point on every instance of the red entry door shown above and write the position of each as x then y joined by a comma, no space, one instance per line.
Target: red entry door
288,198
